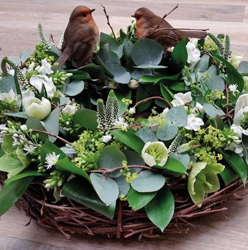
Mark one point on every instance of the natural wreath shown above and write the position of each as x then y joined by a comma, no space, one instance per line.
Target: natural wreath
133,143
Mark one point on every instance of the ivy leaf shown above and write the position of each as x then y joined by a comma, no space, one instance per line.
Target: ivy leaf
161,208
147,182
138,200
105,187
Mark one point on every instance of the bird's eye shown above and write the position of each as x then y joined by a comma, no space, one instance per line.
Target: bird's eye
84,15
137,18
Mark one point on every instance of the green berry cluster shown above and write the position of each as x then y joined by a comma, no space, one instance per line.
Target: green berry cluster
59,78
88,148
54,181
127,174
7,106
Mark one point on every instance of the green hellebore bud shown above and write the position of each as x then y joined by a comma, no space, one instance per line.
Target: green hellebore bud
38,108
155,153
236,60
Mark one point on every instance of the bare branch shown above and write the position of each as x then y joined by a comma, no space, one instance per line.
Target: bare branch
107,16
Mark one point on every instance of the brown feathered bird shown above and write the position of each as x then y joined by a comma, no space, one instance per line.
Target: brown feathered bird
80,37
147,27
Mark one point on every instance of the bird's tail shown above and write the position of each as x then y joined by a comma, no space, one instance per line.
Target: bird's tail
62,59
194,33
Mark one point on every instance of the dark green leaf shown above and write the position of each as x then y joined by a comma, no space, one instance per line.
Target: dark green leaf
129,139
138,200
237,164
161,208
86,118
11,165
174,166
120,95
228,175
12,192
83,193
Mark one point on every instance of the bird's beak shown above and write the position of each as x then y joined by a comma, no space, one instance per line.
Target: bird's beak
92,10
133,16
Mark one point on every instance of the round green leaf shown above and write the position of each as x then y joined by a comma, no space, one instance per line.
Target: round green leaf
216,82
111,157
243,67
74,88
211,110
146,135
105,187
167,132
86,118
161,208
147,52
148,182
177,116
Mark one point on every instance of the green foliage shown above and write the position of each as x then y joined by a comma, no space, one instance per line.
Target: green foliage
47,43
86,118
218,43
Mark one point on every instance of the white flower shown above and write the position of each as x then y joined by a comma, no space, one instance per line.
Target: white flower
236,147
132,111
18,139
193,122
240,108
51,160
29,148
236,60
45,68
70,108
181,99
23,127
193,52
35,107
199,107
233,88
10,95
165,111
155,153
120,123
3,128
106,138
38,81
239,130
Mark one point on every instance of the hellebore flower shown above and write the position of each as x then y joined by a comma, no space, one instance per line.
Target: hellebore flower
35,107
203,179
155,153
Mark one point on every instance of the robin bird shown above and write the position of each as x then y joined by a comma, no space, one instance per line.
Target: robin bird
80,37
148,25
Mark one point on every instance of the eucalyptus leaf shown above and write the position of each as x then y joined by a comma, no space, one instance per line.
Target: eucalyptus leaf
120,95
212,111
113,44
147,182
167,132
216,82
74,88
7,83
177,116
18,115
52,124
105,187
146,135
123,185
34,123
243,67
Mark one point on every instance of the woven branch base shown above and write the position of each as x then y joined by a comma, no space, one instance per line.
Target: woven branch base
72,218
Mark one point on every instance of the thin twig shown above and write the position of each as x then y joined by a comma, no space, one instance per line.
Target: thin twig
107,16
53,135
150,98
165,15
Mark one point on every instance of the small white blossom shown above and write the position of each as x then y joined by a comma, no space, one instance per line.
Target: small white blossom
10,95
45,68
239,130
241,108
106,138
23,127
3,128
18,139
233,88
70,108
193,122
51,160
181,99
120,123
29,148
132,111
236,147
193,52
199,107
